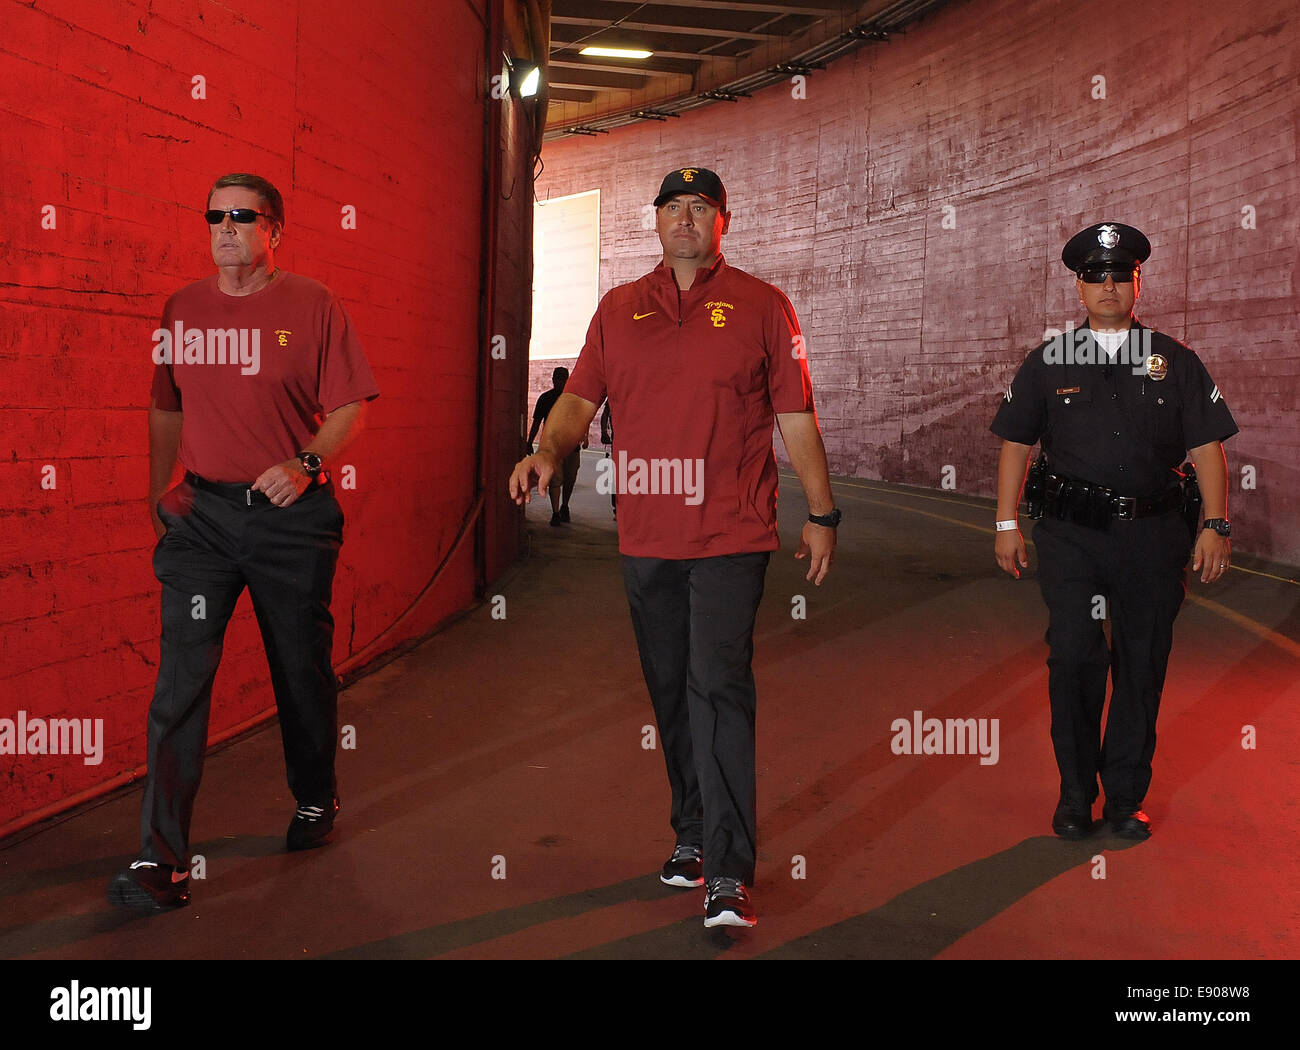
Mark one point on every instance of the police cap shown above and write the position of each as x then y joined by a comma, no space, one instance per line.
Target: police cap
1108,245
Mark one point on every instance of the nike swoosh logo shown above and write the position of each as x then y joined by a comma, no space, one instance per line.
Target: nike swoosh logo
637,317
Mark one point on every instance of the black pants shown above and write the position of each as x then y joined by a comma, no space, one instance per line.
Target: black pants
216,544
1136,572
694,624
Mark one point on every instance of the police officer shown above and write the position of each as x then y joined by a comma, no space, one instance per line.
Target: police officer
1116,406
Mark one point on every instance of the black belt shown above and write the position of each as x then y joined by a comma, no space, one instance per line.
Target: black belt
240,491
1086,503
243,491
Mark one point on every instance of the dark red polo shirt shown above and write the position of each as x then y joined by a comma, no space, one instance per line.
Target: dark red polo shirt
255,374
694,375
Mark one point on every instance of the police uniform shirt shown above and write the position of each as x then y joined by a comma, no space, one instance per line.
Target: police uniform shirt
1102,423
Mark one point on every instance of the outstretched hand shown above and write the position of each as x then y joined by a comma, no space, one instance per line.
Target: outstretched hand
817,541
541,466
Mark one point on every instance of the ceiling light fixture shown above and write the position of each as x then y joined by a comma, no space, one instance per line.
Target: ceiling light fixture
615,52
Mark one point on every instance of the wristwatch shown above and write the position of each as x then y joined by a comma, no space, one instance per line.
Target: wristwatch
830,520
1219,525
312,464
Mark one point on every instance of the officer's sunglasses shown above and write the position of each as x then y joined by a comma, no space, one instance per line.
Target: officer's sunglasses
1099,276
215,216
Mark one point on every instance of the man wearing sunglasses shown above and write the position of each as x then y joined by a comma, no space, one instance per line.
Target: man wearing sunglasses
1115,420
259,383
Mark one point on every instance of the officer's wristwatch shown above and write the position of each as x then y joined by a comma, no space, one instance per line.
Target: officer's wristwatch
830,520
1219,525
312,464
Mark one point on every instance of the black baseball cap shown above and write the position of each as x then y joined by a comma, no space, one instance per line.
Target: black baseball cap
1106,246
699,181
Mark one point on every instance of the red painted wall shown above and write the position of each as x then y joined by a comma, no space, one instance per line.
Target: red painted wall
915,325
386,112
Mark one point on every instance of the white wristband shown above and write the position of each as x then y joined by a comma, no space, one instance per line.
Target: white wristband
1008,526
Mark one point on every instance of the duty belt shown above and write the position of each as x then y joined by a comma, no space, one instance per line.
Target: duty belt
1086,503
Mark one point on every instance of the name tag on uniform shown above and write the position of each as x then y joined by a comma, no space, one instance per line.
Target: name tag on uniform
1068,389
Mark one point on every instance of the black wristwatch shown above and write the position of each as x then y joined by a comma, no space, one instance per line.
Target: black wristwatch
830,520
1219,525
312,464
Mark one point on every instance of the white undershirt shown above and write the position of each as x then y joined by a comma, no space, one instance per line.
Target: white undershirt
1110,342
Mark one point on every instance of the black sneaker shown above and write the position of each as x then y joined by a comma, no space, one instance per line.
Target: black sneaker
555,518
311,826
564,514
726,903
684,868
146,886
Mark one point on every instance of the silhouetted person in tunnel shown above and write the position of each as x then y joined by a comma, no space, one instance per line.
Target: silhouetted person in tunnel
259,383
562,483
1116,406
607,439
699,360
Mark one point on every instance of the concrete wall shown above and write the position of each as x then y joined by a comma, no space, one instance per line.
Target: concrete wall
914,204
108,153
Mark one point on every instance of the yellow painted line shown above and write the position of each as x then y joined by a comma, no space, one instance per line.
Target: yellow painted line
1259,630
927,514
1269,575
913,510
909,495
980,528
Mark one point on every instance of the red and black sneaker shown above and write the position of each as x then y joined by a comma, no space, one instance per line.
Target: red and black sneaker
726,903
684,868
146,886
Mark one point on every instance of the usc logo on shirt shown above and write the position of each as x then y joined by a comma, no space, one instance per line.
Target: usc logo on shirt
715,312
282,336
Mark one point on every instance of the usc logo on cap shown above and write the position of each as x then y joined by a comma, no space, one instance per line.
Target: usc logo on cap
688,174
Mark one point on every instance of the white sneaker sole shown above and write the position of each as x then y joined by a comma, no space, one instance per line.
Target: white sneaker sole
681,881
729,918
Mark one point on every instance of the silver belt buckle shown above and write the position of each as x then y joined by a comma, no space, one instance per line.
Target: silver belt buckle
1126,507
248,497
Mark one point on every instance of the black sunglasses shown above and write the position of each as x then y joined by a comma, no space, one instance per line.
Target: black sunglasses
215,216
1099,276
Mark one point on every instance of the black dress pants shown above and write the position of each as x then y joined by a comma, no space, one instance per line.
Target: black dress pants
1135,571
694,624
219,540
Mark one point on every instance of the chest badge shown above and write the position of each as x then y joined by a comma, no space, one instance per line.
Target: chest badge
716,314
282,336
1157,367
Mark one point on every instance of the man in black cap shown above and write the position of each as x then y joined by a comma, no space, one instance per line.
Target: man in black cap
1116,406
696,481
